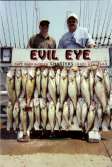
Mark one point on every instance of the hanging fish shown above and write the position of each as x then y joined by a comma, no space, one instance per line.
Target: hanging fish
65,115
10,80
58,73
52,85
38,81
79,112
85,91
91,82
37,113
78,81
58,114
84,114
31,116
63,86
99,115
107,82
16,110
44,82
23,116
24,72
100,89
30,84
44,114
71,112
72,88
18,82
91,116
51,115
9,112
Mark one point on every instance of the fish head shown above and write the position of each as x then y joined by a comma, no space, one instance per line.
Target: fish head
24,71
16,105
42,103
18,72
45,72
36,101
99,73
11,73
85,73
31,72
38,72
64,73
9,105
93,105
58,71
51,74
71,76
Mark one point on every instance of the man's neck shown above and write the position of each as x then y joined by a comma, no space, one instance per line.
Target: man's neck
44,35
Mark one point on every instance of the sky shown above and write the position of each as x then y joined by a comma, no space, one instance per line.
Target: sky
19,20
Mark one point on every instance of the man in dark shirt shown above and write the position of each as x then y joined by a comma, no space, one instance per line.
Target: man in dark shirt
42,40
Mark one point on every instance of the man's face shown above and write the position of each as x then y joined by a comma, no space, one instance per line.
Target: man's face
72,24
44,29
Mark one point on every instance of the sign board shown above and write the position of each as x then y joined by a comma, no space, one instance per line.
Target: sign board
60,57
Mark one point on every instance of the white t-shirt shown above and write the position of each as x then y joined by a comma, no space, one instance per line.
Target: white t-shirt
78,39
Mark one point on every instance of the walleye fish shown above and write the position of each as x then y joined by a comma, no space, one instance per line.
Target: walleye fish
100,90
30,84
72,88
66,115
91,82
16,115
79,112
58,114
91,116
52,85
78,81
63,86
18,82
38,83
23,116
24,80
84,114
11,85
31,116
71,107
37,113
107,82
99,115
44,82
43,107
51,115
58,73
85,91
9,116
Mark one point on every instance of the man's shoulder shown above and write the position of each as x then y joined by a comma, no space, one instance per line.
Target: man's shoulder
34,36
52,39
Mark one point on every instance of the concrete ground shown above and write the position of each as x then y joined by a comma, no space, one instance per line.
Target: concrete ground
66,150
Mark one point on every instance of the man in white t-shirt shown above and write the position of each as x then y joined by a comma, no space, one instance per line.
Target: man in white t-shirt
76,37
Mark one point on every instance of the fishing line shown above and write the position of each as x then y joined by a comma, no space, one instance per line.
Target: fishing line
8,24
22,25
3,30
17,25
11,21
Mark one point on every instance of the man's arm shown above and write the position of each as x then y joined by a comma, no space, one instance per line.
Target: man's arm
29,43
90,42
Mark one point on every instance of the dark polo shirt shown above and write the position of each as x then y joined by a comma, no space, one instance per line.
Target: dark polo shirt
38,41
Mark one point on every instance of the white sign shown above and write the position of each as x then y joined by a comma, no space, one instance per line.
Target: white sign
60,57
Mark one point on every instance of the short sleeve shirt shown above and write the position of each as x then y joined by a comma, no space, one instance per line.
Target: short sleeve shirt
38,41
78,39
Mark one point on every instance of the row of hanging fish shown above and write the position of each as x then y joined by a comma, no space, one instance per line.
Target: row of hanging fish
81,93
